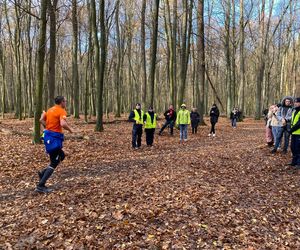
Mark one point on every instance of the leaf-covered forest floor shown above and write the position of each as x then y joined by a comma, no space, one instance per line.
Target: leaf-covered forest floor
223,193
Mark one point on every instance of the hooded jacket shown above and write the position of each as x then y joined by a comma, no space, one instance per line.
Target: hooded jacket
214,114
285,112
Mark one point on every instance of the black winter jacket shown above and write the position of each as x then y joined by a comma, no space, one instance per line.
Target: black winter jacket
214,114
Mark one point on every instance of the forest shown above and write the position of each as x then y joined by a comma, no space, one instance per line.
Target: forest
106,56
225,191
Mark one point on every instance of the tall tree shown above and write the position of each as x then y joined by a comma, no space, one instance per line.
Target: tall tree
185,46
242,58
171,33
119,70
75,79
17,52
3,90
40,70
153,51
99,65
201,61
3,72
143,53
228,58
52,52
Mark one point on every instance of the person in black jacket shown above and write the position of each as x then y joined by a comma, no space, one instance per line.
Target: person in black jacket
214,116
170,116
137,117
195,118
150,119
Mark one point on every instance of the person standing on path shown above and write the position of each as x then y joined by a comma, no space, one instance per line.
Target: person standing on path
284,116
183,120
170,116
214,116
234,115
295,131
53,120
150,120
195,119
275,124
269,134
136,116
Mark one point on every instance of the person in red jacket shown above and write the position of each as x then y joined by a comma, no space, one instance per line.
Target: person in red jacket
170,116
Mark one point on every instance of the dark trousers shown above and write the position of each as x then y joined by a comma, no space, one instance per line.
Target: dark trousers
194,127
194,130
212,130
55,158
167,123
137,131
149,136
233,122
295,147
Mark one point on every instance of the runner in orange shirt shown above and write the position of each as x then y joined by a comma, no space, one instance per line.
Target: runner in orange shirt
54,120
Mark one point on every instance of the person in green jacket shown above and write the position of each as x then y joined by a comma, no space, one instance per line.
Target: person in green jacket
183,120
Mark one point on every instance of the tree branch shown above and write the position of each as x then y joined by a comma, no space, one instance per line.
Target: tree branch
23,9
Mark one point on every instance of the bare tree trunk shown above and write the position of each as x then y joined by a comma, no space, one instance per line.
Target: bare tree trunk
29,66
201,61
174,45
228,58
233,55
17,43
40,71
99,65
184,52
153,51
52,52
119,60
88,67
242,58
143,52
171,31
3,90
75,80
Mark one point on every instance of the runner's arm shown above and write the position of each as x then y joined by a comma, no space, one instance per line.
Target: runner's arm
65,125
43,119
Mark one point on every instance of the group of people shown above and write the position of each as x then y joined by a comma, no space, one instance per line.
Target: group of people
282,121
54,121
181,119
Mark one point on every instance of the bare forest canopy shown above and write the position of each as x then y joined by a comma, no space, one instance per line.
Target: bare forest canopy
104,56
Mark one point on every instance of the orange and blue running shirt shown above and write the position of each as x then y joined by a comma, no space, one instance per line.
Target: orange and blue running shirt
53,117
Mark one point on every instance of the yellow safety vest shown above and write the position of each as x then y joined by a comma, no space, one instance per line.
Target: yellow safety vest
138,119
149,123
295,119
183,117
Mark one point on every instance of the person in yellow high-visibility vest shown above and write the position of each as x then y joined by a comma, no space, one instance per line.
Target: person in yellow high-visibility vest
295,131
150,119
183,120
137,117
